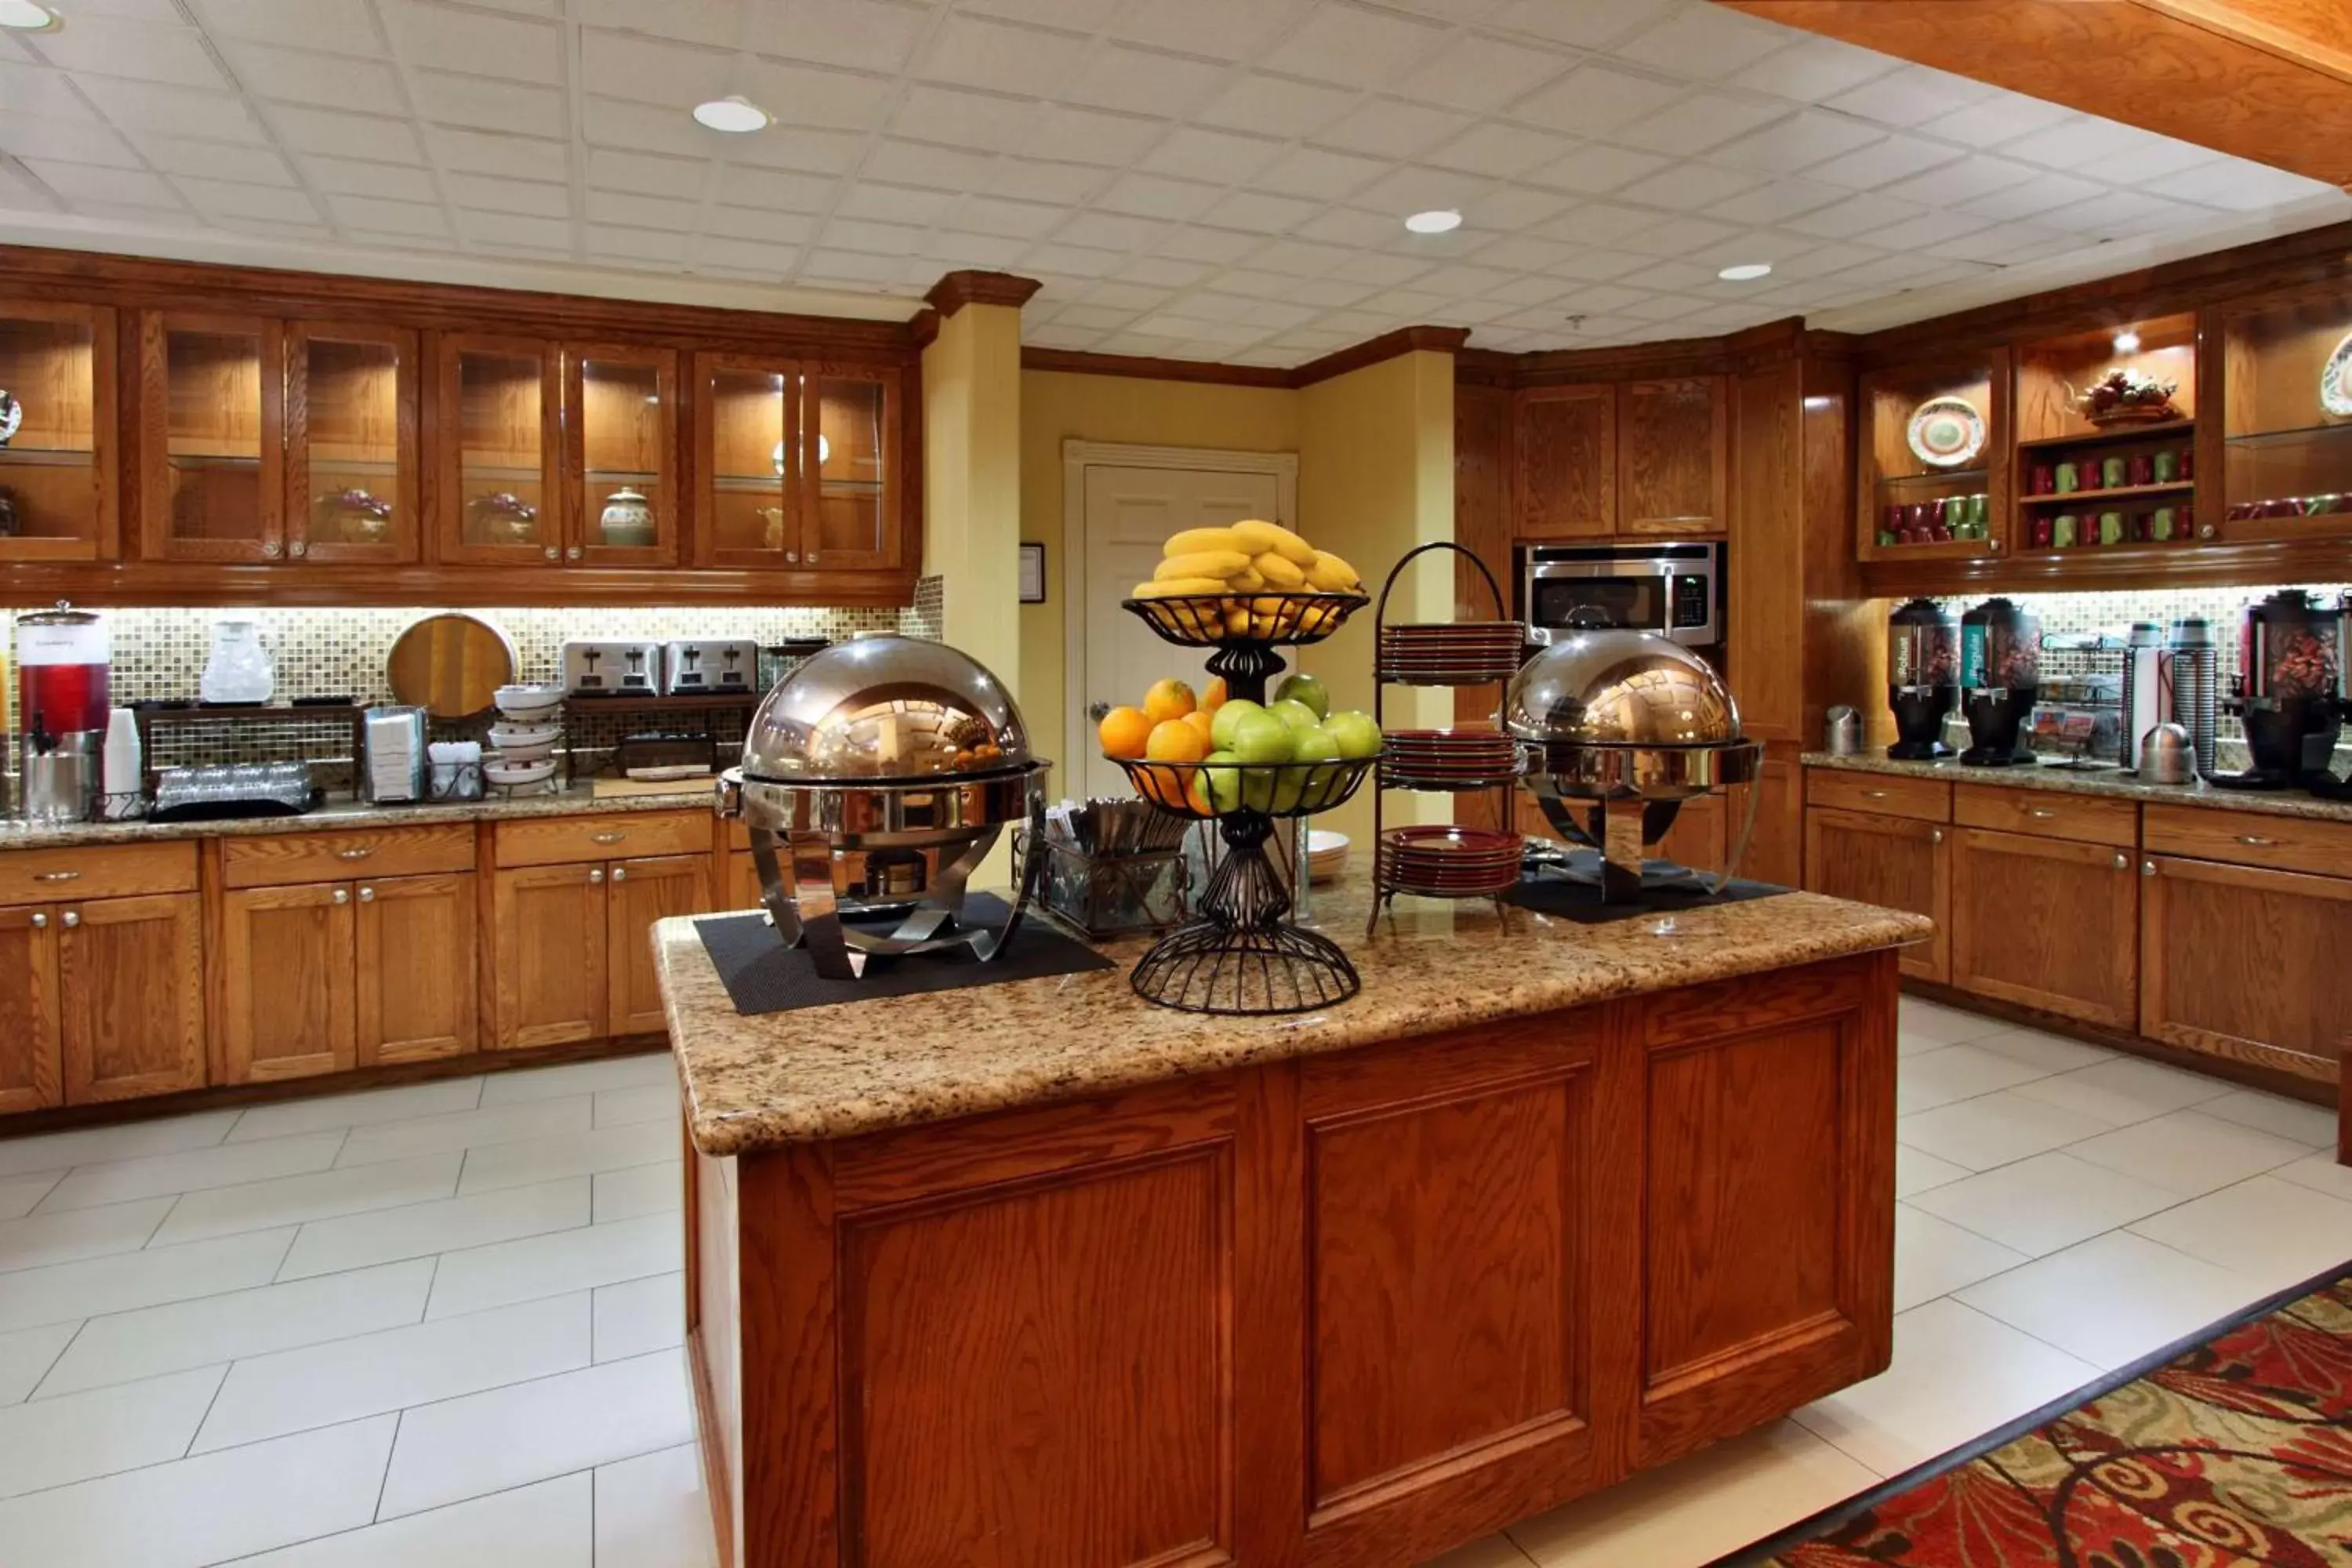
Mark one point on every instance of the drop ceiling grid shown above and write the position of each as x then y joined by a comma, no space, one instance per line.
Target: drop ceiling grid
1215,179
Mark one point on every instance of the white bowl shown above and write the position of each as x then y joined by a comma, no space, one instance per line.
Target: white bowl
506,775
525,756
524,737
527,701
1327,854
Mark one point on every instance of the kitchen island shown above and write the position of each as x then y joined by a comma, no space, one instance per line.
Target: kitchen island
1038,1274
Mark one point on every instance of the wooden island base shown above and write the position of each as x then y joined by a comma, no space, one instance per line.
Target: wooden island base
1353,1309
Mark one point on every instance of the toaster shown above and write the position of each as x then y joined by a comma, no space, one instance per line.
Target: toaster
693,666
612,668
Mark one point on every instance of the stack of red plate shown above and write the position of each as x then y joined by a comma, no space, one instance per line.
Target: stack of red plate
1464,758
1447,862
1451,653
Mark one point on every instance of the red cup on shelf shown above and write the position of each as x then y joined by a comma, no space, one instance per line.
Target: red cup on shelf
2040,532
2141,470
2188,462
2042,480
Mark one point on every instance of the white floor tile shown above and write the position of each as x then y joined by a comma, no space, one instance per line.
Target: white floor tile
581,1259
544,1526
364,1109
41,1238
1995,1129
2113,1299
19,1194
1955,1072
510,1437
220,1329
649,1102
1908,1044
2051,1053
2049,1201
1934,1257
27,1355
2126,1090
164,1135
1936,1021
57,1442
420,1230
580,1078
639,1190
195,1170
2321,1174
1491,1551
1694,1510
571,1154
1916,1170
1956,1375
638,1317
650,1512
2275,1233
326,1385
321,1195
2276,1113
465,1130
143,1278
205,1509
2188,1152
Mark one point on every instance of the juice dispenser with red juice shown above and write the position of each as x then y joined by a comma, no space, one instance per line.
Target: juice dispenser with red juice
63,662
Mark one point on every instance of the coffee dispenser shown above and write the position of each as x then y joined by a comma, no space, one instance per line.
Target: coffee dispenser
2289,690
1923,679
63,663
2000,679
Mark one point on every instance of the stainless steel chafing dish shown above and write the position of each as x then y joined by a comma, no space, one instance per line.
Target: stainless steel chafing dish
884,743
1625,726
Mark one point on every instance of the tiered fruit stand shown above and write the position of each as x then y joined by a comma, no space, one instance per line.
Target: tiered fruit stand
1238,954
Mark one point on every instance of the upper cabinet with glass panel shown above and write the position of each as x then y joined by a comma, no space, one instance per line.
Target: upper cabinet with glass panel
57,432
623,436
849,510
351,439
797,464
212,436
498,429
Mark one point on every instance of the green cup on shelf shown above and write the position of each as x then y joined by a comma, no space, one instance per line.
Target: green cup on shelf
2064,531
2070,478
2112,473
2111,528
2168,465
2162,522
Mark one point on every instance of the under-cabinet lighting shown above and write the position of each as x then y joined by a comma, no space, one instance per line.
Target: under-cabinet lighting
2127,342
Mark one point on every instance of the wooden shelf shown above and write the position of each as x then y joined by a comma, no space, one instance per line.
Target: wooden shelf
2303,434
2125,492
46,456
1936,477
2113,433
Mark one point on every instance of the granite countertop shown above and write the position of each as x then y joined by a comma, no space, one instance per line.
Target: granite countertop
576,801
2111,781
837,1071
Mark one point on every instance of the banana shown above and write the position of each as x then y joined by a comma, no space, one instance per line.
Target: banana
1257,537
1217,563
1279,569
1237,622
1331,574
1193,540
1179,588
1248,580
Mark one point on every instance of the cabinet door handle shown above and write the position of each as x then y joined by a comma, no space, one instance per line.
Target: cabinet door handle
812,559
358,853
2206,532
367,895
620,873
2039,813
343,895
572,554
57,876
791,557
613,836
550,553
298,549
1936,836
2122,861
40,921
2148,867
2255,840
270,550
596,875
73,918
1873,794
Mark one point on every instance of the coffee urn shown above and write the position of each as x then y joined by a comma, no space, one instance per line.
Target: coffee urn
1923,679
2289,684
2000,679
63,661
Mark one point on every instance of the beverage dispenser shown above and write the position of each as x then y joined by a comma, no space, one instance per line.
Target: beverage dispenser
1923,679
2000,679
2290,665
63,662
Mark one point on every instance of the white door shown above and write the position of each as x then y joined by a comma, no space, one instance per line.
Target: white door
1130,513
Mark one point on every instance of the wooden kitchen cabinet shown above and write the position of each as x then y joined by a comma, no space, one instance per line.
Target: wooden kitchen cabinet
57,362
351,440
414,947
1673,467
548,930
212,436
130,995
1899,862
31,1073
287,977
1567,446
638,893
2047,923
498,433
620,435
2246,963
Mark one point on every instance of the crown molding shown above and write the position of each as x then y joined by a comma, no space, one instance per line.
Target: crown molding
957,290
1387,346
1143,367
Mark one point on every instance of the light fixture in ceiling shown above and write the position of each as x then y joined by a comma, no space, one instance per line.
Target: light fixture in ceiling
2127,342
733,113
1437,220
1745,272
27,17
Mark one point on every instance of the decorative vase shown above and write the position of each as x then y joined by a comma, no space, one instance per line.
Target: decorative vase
627,519
239,670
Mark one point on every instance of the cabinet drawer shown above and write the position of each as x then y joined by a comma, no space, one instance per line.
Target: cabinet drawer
562,840
2250,839
2048,813
52,876
1889,794
278,861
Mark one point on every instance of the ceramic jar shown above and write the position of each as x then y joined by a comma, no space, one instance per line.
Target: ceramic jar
627,519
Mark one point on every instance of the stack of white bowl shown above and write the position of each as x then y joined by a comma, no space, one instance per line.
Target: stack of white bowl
531,722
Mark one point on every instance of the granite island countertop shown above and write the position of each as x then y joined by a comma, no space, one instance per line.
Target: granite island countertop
837,1071
2111,781
576,801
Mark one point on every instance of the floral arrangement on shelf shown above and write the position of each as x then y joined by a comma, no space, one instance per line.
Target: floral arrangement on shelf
509,517
363,515
2127,396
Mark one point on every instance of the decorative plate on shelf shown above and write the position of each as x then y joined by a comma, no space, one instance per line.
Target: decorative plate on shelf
12,413
1946,431
2336,381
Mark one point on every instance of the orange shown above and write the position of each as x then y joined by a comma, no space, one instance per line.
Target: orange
1125,731
1169,699
1199,718
1215,697
1176,740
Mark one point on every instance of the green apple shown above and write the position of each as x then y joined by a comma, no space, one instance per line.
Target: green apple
1295,714
1354,731
1228,720
1304,688
1259,737
1224,783
1314,787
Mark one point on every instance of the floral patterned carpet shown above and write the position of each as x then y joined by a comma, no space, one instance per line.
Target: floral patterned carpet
2237,1451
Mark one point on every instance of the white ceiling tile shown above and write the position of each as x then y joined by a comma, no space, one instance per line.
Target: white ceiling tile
1162,272
1011,219
1854,215
295,76
975,51
1355,45
1815,68
1965,181
896,203
1531,290
1475,73
1028,179
179,110
1261,355
873,238
487,153
1463,282
1678,236
805,95
959,118
450,38
1312,172
1681,276
1328,293
1598,223
920,164
1092,318
341,27
1882,162
1603,297
227,198
1595,100
1411,190
783,189
1222,29
641,128
365,136
1128,296
1525,253
1073,260
1274,106
1251,283
1210,306
80,183
512,229
2117,215
2001,243
1144,82
1507,209
857,267
2154,157
956,249
26,88
786,147
1704,120
1788,146
2078,141
650,71
1349,226
1663,307
347,176
1931,227
865,35
1217,157
755,256
1505,150
534,199
718,23
1788,267
1780,199
1705,42
1089,136
1594,168
1259,212
1587,24
1470,312
1300,258
1688,187
210,160
611,242
644,175
1109,231
1058,336
1910,95
639,212
1405,304
384,217
1994,122
762,224
1380,271
1275,317
2236,185
105,45
2039,195
1391,128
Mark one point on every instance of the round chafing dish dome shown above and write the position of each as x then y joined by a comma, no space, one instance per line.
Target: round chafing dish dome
1619,689
884,708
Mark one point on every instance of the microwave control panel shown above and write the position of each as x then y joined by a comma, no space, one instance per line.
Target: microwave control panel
1690,602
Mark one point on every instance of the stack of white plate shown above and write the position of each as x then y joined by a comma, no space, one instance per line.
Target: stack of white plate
1327,854
530,723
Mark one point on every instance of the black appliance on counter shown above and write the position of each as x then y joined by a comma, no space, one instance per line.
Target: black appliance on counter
2289,691
2001,681
1923,679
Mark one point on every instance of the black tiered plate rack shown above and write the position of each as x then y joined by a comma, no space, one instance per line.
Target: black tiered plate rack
1466,761
1239,954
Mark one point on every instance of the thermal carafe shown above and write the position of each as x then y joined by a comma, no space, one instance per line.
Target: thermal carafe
2000,679
64,661
1923,678
2193,672
2144,703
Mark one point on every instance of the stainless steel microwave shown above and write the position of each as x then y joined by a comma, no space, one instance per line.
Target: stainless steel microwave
1665,587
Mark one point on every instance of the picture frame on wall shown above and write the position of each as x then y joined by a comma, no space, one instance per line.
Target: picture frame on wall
1032,574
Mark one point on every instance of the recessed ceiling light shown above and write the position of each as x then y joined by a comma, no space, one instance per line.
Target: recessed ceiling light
2127,342
734,112
1437,220
25,17
1746,273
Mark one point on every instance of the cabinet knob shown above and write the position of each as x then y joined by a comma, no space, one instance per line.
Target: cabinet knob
270,550
812,559
791,557
73,918
620,873
1992,546
2148,867
596,875
40,921
2255,840
2122,861
572,554
56,876
299,549
1873,794
343,895
355,853
613,836
1936,836
550,553
367,895
2206,532
2039,813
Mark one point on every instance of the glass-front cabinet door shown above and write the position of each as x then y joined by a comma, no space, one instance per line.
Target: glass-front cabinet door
350,443
497,404
57,432
848,452
211,432
744,419
622,444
